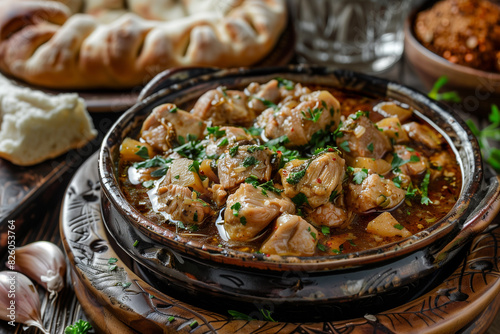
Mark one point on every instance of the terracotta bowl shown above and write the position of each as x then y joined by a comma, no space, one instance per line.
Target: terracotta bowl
351,283
478,89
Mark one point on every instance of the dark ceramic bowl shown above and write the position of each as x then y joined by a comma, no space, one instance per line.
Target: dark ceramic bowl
478,89
349,283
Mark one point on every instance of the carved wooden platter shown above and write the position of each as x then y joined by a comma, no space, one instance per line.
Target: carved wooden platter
117,300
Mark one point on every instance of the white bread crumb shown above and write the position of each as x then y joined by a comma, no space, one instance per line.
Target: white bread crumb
35,126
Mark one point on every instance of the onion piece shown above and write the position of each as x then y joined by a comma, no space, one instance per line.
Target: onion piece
19,297
43,262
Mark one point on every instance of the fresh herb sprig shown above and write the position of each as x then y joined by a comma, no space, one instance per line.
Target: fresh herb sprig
491,132
79,327
445,96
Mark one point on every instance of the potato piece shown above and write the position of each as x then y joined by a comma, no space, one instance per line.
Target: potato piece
385,225
180,174
377,166
392,128
391,109
130,147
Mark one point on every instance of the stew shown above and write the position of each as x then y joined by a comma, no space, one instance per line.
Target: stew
287,169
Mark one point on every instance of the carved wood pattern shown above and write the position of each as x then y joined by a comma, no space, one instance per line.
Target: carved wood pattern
462,297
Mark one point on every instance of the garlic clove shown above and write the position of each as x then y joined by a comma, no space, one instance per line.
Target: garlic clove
44,263
19,296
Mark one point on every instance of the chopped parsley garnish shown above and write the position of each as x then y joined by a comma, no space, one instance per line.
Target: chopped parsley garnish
414,158
269,185
446,96
312,115
135,243
313,235
233,151
243,221
398,162
236,208
159,172
79,327
370,147
267,103
424,188
277,141
289,85
112,260
397,181
254,148
345,146
194,167
351,243
171,318
411,192
173,110
301,170
333,196
239,316
321,247
142,152
399,226
195,216
254,131
359,113
216,132
250,161
325,230
300,199
192,149
156,161
360,176
223,142
177,177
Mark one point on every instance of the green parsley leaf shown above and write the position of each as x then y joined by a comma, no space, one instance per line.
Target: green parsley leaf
112,260
424,186
447,96
243,221
414,158
239,316
360,176
214,130
370,147
345,146
250,161
277,141
233,151
399,226
173,110
312,115
321,247
289,85
236,208
79,327
267,103
325,230
253,148
223,142
300,199
254,131
142,152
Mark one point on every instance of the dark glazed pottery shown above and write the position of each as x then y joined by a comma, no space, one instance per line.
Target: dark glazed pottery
344,284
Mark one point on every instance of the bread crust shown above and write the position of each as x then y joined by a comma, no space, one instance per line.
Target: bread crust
42,43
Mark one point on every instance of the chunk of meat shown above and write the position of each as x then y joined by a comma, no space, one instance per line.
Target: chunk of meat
374,193
179,204
317,111
166,123
224,107
249,211
218,144
261,93
219,195
361,138
247,160
330,215
386,226
423,134
391,126
316,178
439,162
417,162
292,236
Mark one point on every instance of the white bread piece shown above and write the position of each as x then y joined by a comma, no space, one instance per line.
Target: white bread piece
35,126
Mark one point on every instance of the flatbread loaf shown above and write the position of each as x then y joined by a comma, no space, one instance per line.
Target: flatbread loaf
35,126
124,43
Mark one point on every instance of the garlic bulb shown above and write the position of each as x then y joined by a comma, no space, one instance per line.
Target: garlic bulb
43,262
18,295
